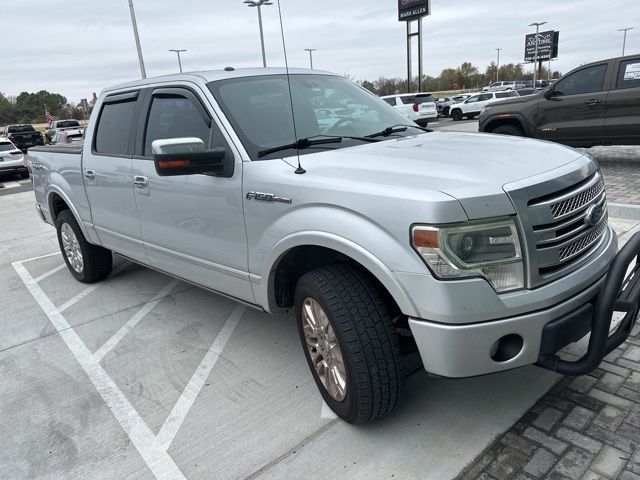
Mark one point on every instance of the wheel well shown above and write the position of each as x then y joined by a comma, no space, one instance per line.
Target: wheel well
300,260
57,205
504,121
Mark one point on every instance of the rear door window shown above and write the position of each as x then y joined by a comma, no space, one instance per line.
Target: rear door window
588,80
485,97
115,126
629,74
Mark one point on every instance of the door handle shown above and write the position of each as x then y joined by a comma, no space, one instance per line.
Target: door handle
90,174
140,182
593,101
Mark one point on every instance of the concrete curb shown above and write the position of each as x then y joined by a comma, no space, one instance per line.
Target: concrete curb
624,211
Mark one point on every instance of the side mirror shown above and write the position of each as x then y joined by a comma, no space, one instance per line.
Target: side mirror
549,93
187,156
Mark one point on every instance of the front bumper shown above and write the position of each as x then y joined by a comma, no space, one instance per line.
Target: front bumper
458,351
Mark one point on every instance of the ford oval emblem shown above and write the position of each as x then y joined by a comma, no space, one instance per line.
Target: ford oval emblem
594,215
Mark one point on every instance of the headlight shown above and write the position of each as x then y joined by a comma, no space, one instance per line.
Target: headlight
491,251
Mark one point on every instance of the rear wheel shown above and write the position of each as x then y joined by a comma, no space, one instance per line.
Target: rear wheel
348,335
87,263
514,130
456,115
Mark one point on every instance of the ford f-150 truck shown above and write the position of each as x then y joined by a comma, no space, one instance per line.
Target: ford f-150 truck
480,252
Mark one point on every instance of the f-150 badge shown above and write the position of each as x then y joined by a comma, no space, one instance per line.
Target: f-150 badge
267,197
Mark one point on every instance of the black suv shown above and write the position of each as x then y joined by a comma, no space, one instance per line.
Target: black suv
595,104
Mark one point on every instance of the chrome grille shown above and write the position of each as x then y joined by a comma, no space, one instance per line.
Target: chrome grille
579,246
578,201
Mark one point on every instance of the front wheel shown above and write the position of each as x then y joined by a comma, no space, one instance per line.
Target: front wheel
456,115
509,130
348,335
87,263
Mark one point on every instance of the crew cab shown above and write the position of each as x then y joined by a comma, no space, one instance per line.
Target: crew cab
23,136
387,241
473,105
60,125
594,104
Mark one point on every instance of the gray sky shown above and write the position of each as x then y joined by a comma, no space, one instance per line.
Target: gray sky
76,47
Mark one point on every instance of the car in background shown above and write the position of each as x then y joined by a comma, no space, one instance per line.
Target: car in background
472,107
67,137
12,159
23,136
594,104
444,105
462,97
502,86
419,107
58,126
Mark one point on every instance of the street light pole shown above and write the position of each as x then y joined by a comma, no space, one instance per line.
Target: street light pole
137,37
259,4
624,40
310,50
535,61
178,51
498,65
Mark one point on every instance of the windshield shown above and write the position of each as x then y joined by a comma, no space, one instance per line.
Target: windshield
259,109
68,123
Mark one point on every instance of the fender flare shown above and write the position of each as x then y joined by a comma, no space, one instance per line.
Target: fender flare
512,116
265,297
58,191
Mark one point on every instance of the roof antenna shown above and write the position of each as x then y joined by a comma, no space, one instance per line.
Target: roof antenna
299,170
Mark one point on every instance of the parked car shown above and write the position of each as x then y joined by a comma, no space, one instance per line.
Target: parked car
12,159
480,253
502,86
419,107
23,136
594,104
60,125
444,105
473,105
66,137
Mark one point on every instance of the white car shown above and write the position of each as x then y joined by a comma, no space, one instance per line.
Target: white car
419,107
12,159
472,107
502,86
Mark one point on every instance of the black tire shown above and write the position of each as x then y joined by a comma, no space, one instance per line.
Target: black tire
514,130
456,115
97,261
362,319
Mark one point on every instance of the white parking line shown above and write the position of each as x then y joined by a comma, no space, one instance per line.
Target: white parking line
49,273
152,452
127,327
41,256
179,412
90,289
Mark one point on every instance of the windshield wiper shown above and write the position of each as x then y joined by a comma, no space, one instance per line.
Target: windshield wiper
396,129
309,142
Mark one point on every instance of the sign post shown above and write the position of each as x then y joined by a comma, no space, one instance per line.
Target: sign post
408,11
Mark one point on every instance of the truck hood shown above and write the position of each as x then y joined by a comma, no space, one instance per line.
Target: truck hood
471,167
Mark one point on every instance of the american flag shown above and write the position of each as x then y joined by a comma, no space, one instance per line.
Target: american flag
49,117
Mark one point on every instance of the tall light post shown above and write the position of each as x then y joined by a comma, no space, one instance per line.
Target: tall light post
259,4
624,40
178,51
310,50
498,65
535,61
137,37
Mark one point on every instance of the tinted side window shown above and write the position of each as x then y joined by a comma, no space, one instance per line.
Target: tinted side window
174,117
629,74
390,101
114,128
584,81
473,99
485,97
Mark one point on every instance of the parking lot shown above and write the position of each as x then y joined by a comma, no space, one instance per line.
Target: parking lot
143,376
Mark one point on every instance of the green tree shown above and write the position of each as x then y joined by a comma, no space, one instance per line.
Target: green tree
7,110
30,107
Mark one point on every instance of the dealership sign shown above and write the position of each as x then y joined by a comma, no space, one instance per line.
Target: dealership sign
413,9
547,46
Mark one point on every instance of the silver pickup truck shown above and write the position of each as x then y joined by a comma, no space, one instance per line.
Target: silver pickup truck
480,253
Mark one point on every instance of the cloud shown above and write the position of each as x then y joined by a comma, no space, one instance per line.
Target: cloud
76,48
